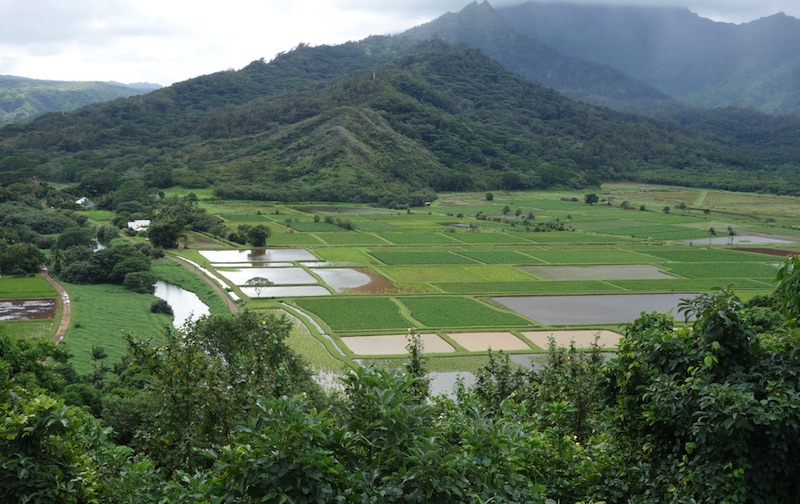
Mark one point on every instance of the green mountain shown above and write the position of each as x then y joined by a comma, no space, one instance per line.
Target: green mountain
696,60
22,99
482,27
389,119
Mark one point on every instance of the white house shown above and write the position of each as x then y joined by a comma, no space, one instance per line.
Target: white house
139,225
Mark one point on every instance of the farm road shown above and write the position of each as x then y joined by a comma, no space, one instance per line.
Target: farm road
66,309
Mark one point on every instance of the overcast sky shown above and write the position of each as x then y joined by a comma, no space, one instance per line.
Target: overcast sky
166,41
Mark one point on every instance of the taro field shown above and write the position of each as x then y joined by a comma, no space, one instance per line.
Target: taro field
452,266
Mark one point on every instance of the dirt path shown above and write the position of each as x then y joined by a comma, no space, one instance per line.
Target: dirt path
66,308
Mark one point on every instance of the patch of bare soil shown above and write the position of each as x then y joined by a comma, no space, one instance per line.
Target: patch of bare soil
582,338
377,284
768,251
394,344
483,341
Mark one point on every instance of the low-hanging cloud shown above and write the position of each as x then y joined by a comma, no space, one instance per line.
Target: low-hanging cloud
167,41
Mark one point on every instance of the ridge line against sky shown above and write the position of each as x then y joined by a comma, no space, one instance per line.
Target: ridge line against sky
169,41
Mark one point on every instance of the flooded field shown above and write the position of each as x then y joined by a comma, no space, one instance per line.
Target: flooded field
255,256
289,291
342,278
596,309
27,309
597,272
278,276
185,304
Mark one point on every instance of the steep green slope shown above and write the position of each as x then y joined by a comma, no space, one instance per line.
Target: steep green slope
386,119
22,99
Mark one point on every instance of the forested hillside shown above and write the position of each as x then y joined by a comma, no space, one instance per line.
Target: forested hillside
388,119
22,99
690,58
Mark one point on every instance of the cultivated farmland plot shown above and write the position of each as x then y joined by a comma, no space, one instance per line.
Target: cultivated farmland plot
488,277
469,284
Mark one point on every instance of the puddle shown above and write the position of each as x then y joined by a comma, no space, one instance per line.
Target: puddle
27,309
258,255
185,304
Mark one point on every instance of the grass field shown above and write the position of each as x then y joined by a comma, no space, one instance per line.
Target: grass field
104,323
25,287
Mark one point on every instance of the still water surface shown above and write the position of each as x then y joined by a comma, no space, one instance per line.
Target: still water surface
185,304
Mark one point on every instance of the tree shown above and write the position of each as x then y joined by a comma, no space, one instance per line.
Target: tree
143,282
416,365
257,235
665,210
258,284
204,378
591,198
506,210
706,212
710,402
165,231
489,196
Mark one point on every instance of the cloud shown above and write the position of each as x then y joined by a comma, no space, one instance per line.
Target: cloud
166,41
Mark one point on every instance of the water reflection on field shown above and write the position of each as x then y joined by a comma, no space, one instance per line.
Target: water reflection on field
278,276
258,255
185,304
342,278
27,309
593,309
288,291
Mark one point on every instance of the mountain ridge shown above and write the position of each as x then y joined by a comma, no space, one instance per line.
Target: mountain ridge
23,98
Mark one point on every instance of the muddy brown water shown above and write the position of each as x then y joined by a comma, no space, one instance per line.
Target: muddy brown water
27,309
